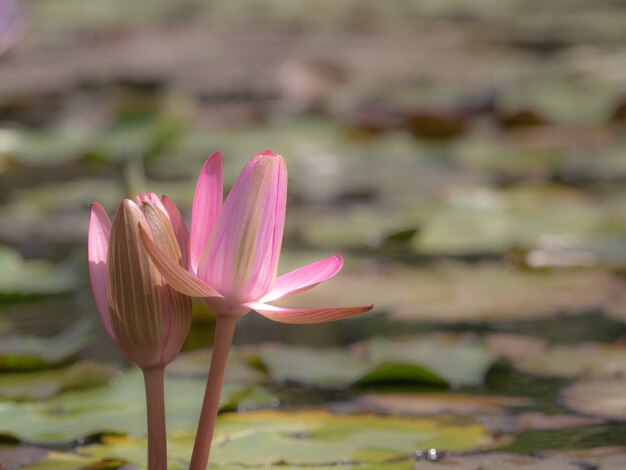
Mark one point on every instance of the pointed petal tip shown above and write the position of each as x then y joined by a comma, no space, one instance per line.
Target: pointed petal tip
267,153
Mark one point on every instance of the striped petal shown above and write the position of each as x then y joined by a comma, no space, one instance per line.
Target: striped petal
207,204
304,278
243,250
305,315
98,248
181,279
180,229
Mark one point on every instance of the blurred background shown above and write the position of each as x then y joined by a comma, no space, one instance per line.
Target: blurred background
467,157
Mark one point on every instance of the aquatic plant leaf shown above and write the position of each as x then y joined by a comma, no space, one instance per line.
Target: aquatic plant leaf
456,359
319,438
601,397
455,292
31,352
45,384
441,403
501,462
118,407
579,360
321,367
21,278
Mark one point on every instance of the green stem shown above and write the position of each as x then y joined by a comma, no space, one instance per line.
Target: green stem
155,401
224,331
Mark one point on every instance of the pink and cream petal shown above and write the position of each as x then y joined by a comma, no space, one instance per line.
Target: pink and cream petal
242,252
180,228
305,315
207,204
304,278
180,279
98,249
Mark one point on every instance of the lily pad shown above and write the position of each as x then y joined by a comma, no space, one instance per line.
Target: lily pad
440,360
118,407
587,359
294,439
454,292
602,397
500,462
487,221
457,359
31,352
444,403
44,384
325,367
195,364
25,278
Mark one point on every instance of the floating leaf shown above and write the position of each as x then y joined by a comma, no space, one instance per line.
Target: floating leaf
455,359
602,397
542,421
292,439
30,352
457,292
196,364
570,361
20,278
439,360
118,407
444,403
44,384
500,462
326,367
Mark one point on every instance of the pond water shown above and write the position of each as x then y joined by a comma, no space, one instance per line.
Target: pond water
467,159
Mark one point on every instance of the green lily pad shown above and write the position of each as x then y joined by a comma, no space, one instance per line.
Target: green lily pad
292,439
500,462
118,407
488,221
455,359
441,403
580,360
325,367
196,364
601,397
30,352
44,384
439,360
21,278
454,292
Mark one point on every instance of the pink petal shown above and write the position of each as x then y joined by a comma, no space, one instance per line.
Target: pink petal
243,250
207,204
305,315
304,278
180,228
98,248
180,279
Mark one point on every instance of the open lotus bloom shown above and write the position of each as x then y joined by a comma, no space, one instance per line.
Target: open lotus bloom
140,311
234,247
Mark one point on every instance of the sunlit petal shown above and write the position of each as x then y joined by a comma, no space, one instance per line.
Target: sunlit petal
207,204
304,278
305,315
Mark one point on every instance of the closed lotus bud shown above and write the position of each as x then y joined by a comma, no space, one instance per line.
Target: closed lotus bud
146,318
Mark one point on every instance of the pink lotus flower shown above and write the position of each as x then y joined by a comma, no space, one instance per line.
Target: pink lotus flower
143,315
234,249
233,261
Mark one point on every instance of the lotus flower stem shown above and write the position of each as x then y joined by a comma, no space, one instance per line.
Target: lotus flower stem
157,443
224,331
